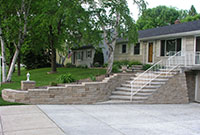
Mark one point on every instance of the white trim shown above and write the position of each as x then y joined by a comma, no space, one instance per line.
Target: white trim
172,35
147,58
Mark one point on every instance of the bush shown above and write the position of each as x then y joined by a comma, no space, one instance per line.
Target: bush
126,63
82,66
70,65
93,78
53,84
98,58
105,65
115,69
146,66
66,78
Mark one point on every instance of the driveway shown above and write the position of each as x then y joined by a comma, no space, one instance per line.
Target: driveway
125,119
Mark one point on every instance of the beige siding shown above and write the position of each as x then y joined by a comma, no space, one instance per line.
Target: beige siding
189,43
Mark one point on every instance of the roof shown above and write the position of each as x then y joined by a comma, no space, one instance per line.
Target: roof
171,29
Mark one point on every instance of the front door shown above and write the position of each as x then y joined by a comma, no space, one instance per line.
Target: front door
150,53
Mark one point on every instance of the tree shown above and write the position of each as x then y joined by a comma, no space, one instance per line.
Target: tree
114,20
191,18
60,21
192,11
156,17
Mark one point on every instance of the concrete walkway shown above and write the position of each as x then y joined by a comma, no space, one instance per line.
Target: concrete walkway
100,120
26,120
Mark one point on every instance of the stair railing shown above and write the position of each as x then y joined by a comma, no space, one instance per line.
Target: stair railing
166,65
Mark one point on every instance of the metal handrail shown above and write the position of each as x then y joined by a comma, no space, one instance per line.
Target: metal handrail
152,78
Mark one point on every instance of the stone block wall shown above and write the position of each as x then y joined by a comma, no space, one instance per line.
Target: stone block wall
174,91
85,93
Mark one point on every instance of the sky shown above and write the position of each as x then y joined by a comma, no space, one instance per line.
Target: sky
179,4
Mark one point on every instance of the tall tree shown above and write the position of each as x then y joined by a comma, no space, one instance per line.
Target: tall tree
192,11
156,17
113,18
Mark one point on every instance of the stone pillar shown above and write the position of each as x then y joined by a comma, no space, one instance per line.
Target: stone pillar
25,85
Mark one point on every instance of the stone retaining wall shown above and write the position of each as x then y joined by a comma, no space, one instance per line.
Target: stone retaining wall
85,93
174,91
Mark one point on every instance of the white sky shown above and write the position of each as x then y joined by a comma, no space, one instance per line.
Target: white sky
179,4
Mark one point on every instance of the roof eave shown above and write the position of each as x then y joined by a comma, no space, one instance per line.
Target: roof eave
191,33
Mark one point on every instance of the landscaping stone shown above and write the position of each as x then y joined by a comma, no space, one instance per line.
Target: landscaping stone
25,85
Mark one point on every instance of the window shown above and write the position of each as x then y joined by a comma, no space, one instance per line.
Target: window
170,47
137,49
124,48
89,54
79,55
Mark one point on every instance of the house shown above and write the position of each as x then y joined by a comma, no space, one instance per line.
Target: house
83,56
160,43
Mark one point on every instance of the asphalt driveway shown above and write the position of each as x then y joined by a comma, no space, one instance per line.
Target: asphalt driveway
125,119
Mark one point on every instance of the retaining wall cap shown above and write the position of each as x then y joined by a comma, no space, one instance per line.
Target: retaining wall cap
74,85
28,81
37,89
12,90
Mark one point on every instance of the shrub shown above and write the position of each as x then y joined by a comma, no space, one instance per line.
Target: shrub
105,65
53,84
70,65
146,66
115,69
66,78
98,58
93,78
82,66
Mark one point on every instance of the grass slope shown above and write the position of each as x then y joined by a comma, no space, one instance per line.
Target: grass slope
42,78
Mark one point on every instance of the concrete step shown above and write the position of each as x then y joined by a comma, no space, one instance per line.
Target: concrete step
153,83
119,102
147,79
129,89
137,86
156,75
129,93
126,97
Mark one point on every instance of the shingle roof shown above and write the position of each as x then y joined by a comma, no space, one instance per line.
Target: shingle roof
172,29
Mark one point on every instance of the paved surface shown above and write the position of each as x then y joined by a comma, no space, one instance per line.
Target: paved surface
100,120
26,120
126,119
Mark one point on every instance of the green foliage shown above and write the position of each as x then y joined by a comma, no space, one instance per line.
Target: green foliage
156,17
192,11
82,66
115,69
105,65
146,66
93,78
66,78
70,65
53,84
33,60
191,18
126,63
98,58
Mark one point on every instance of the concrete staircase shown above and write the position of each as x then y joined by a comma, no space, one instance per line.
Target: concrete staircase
122,94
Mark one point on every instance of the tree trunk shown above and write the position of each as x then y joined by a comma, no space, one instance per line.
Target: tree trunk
18,65
12,66
3,58
53,60
110,63
53,50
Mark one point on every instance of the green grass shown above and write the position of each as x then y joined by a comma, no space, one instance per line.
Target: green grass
42,78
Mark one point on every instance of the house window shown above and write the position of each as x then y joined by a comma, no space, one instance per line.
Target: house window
89,54
170,47
79,55
137,49
124,48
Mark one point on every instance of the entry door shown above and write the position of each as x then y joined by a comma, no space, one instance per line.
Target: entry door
197,88
150,53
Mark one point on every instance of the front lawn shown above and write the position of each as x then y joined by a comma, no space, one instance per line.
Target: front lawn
42,78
